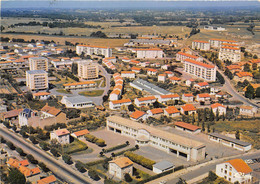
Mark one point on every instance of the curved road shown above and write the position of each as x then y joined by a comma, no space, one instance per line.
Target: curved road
58,168
229,87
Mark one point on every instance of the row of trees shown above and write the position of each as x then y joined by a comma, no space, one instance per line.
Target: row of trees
93,139
140,159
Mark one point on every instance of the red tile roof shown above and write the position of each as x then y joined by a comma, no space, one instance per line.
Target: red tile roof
47,180
137,114
234,67
187,126
187,55
81,132
41,93
171,110
12,113
121,101
136,68
188,107
156,111
244,74
201,41
216,105
204,95
255,61
61,132
146,98
170,96
79,83
175,79
201,84
223,40
24,162
240,166
51,110
199,63
231,48
188,95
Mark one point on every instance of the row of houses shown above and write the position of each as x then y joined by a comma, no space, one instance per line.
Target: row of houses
214,43
118,88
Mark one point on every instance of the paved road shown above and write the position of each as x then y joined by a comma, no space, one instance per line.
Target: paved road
58,168
107,77
197,171
229,87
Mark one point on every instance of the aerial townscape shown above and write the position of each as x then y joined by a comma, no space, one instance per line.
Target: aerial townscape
118,92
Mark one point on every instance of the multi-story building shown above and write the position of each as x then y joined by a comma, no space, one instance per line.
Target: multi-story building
235,170
217,43
149,53
230,53
37,79
199,69
200,45
38,63
181,56
77,102
88,70
146,135
93,50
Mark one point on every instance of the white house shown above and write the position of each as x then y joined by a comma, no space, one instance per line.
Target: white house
41,95
117,104
165,98
128,74
145,101
235,170
138,115
188,109
161,77
187,97
247,110
169,74
189,82
76,102
80,134
217,107
115,95
162,167
203,97
61,135
151,71
155,112
201,85
171,111
120,166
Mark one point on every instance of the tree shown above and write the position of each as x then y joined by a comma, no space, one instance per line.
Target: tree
127,177
10,145
238,135
33,139
229,74
15,176
31,159
74,68
20,151
250,92
67,159
254,66
257,92
203,126
212,176
247,68
93,174
44,145
55,152
131,107
14,128
44,167
80,167
101,153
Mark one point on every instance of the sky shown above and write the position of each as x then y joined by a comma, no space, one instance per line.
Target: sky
14,4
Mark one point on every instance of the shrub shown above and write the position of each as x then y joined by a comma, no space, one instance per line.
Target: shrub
67,159
10,145
93,174
2,140
43,167
31,159
100,142
44,146
128,178
80,166
115,148
20,151
140,159
90,138
33,139
55,152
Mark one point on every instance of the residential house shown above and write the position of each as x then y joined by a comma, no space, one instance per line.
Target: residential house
80,134
189,82
61,135
151,71
117,104
165,98
247,110
41,95
201,85
169,74
120,166
138,115
144,101
47,180
171,111
161,77
10,115
128,74
187,97
235,170
241,76
218,108
136,69
49,111
203,97
155,112
175,80
188,109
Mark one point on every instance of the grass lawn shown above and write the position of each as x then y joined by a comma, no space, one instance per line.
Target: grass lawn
63,91
75,146
92,93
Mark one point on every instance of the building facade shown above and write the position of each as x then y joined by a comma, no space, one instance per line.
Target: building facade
37,79
199,69
38,63
200,45
230,53
88,70
93,50
149,53
163,140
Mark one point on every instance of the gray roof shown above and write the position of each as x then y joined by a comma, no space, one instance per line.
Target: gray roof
38,58
150,88
35,71
236,141
151,41
163,165
78,99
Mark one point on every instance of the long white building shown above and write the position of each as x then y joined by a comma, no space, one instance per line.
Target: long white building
181,56
165,141
200,45
201,70
217,43
149,53
93,50
230,53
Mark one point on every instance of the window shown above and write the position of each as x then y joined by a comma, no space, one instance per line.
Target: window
225,166
230,168
221,169
225,171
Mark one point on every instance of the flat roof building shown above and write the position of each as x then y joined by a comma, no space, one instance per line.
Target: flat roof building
88,70
163,140
93,50
37,79
38,63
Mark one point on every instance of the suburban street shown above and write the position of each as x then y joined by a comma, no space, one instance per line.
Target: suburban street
107,77
202,169
229,87
59,168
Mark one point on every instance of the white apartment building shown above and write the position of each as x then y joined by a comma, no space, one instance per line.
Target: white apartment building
235,170
38,63
61,135
117,104
217,43
181,56
201,70
128,74
88,70
94,50
230,53
200,45
146,135
149,53
37,79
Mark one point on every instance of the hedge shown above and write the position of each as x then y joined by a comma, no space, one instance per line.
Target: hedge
145,162
122,152
115,148
93,139
155,176
97,162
